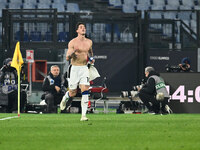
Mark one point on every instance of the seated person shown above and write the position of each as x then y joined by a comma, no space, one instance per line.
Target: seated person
9,85
185,65
52,88
155,84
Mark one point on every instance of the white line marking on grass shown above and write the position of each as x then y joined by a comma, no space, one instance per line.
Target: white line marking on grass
9,118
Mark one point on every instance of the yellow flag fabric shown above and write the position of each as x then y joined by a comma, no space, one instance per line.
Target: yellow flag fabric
17,60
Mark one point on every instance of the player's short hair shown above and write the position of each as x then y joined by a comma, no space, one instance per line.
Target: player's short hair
149,69
79,23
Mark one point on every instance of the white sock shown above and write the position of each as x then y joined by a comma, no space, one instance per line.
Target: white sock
84,104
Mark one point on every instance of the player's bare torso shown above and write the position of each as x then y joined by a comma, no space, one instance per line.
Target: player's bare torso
81,48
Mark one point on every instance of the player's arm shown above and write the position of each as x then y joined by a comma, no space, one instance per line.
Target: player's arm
70,51
90,53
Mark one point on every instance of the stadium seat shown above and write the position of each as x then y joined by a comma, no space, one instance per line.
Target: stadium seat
63,2
29,6
188,3
34,2
63,36
108,28
99,91
15,5
35,36
173,2
115,3
196,7
43,6
144,2
155,15
157,7
48,36
184,15
73,7
47,2
128,8
60,7
107,37
142,7
159,2
117,32
17,36
99,31
169,7
185,7
126,37
130,2
170,15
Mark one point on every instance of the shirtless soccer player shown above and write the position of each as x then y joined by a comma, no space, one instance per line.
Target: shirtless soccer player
79,51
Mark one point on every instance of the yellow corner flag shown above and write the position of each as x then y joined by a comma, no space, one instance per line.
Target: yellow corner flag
17,62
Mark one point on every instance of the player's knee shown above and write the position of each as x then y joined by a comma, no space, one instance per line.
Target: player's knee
85,88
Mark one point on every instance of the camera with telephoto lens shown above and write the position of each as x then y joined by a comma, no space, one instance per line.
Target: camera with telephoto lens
134,91
128,93
172,68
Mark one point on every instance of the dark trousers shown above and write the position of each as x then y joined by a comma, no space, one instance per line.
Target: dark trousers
149,99
156,105
52,101
13,101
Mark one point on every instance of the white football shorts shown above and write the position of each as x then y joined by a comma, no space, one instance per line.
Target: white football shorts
78,75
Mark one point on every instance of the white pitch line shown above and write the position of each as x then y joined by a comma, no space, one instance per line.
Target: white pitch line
9,118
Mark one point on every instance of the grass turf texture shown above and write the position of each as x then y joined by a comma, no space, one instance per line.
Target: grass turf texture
102,132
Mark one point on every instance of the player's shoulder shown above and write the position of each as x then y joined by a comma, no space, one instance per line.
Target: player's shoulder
71,42
88,40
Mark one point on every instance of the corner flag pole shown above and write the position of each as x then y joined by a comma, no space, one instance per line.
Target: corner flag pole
18,91
17,62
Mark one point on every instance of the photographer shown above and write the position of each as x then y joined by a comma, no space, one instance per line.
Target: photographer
185,65
155,84
9,81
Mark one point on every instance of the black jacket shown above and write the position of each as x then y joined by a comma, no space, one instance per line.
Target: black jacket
8,79
50,82
149,87
8,70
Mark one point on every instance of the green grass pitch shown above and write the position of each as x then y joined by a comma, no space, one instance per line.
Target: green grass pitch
102,132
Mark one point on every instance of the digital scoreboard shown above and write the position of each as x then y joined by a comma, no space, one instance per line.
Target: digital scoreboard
184,90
